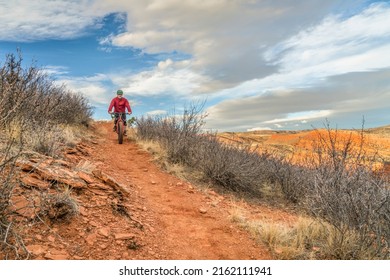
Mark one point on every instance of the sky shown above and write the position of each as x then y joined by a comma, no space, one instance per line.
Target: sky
253,64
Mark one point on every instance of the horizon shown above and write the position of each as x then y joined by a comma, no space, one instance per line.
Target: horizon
256,65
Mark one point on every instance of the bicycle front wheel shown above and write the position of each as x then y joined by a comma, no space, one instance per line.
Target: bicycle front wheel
120,132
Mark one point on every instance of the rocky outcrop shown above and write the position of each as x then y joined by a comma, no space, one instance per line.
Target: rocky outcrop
48,175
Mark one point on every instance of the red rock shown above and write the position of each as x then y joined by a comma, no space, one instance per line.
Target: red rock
74,183
32,181
57,255
36,249
86,177
124,236
99,186
91,239
104,232
22,206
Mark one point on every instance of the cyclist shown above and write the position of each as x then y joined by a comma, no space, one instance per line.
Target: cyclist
120,104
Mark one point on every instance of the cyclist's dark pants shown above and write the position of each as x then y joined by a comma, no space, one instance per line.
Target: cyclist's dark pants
117,117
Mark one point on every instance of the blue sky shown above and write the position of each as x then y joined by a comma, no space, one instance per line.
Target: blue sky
257,64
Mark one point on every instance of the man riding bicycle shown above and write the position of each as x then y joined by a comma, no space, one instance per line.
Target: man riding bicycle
120,104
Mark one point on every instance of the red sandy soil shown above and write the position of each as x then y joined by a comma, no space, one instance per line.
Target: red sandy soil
131,209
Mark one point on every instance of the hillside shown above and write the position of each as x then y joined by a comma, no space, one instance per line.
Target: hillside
298,143
103,201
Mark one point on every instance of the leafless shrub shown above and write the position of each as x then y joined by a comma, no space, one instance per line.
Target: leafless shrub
292,179
29,97
11,244
176,133
33,109
234,168
348,194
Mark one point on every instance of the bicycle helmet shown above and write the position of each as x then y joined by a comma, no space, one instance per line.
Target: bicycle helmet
119,92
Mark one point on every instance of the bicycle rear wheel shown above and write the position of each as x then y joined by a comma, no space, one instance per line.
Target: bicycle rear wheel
120,132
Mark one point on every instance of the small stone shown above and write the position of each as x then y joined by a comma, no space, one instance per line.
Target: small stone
93,223
104,232
91,239
51,238
214,203
86,177
36,249
31,181
151,229
83,211
202,210
57,255
124,236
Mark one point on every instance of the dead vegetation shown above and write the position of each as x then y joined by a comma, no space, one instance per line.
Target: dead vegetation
336,183
36,116
59,207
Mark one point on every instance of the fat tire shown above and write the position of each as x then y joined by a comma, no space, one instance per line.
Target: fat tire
120,132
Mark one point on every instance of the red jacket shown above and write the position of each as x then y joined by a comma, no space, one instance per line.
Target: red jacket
119,105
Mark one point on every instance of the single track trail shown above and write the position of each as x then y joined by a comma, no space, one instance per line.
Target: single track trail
177,220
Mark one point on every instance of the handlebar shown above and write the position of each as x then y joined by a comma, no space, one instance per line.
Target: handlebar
118,114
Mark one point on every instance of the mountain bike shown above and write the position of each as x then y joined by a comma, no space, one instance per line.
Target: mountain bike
120,127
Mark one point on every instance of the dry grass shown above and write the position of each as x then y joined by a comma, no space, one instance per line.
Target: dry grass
59,207
85,166
155,149
307,239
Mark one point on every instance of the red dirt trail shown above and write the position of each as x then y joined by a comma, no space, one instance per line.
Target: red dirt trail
182,222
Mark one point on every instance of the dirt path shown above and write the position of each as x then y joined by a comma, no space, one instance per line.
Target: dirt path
180,221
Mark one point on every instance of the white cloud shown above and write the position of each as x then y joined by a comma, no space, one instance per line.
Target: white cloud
53,70
91,87
344,99
167,78
157,112
301,116
259,128
334,47
224,38
338,45
336,68
47,19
